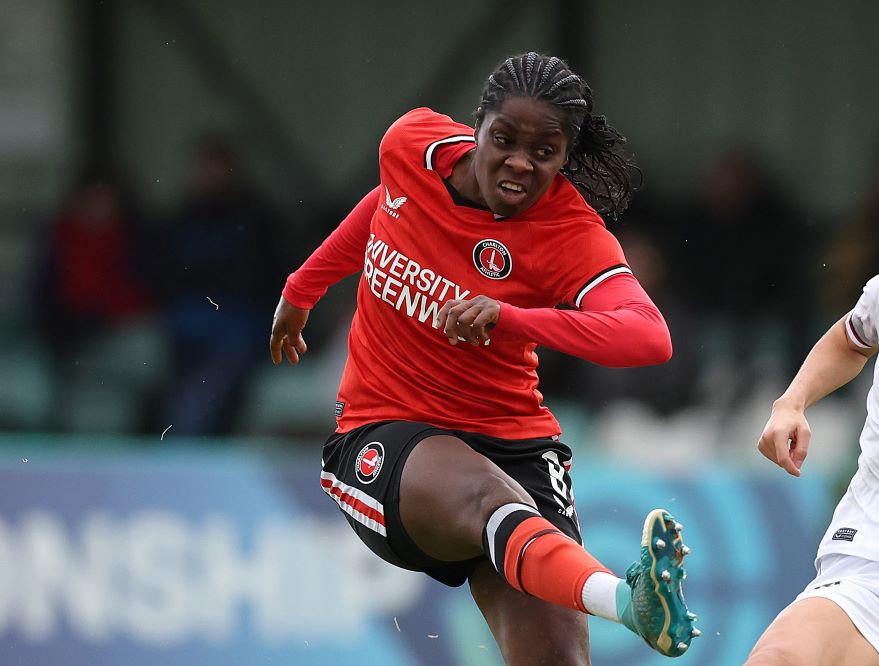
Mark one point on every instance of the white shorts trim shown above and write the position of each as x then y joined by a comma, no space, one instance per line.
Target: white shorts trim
852,583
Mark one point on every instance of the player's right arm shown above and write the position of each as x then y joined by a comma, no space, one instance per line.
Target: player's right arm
836,359
339,256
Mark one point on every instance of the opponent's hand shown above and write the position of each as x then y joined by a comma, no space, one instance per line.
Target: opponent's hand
287,328
785,439
468,321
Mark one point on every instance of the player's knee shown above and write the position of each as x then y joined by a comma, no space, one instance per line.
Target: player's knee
493,490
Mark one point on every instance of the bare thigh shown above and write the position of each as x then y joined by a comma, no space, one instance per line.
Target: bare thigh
529,631
813,632
447,494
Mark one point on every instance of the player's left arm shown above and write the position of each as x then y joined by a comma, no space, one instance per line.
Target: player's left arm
617,324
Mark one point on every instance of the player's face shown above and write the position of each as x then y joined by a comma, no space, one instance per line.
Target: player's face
519,149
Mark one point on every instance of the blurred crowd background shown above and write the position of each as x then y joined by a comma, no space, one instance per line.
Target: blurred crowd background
164,165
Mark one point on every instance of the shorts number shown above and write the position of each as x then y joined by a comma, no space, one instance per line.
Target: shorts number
564,496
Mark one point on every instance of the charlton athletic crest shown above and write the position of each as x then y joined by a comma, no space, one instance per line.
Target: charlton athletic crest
369,462
492,259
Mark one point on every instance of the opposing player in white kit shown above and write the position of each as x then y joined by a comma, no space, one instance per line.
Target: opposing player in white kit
835,620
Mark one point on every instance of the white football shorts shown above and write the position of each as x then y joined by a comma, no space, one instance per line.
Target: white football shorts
853,584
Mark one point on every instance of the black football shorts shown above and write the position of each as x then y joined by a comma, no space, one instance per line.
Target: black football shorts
362,470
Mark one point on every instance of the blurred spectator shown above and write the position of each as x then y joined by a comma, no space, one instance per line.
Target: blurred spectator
91,276
95,310
742,258
220,274
667,387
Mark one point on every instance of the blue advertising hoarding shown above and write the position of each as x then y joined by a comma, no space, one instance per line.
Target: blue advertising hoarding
231,556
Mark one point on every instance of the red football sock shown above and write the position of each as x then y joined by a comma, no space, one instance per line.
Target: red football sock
535,557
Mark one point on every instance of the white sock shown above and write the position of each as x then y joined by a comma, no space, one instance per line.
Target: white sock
600,595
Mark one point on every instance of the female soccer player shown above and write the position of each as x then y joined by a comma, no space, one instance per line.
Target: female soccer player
445,459
835,620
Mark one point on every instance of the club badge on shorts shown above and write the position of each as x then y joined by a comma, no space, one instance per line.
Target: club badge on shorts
492,259
369,462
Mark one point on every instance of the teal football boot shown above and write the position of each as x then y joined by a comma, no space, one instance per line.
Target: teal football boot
651,602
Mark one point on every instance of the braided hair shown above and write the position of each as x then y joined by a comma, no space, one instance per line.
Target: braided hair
596,164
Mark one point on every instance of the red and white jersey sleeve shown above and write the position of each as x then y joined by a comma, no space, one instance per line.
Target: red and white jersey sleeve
854,529
424,249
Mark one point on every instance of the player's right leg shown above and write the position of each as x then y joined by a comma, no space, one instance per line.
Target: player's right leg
813,632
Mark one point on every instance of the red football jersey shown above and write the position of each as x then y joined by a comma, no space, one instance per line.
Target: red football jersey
423,250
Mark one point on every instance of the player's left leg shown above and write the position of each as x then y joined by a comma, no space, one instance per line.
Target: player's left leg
813,632
529,630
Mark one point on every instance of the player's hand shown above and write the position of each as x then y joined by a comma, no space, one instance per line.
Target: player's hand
785,439
287,328
468,321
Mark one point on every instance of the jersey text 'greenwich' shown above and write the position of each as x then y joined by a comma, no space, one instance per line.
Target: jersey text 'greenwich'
405,284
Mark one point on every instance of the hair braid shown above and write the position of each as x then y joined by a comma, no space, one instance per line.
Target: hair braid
558,84
529,67
596,163
547,69
511,68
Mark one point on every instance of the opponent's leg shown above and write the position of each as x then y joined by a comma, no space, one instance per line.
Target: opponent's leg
813,632
529,631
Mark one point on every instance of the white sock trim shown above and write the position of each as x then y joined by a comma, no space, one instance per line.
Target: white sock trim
600,595
498,517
